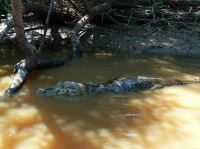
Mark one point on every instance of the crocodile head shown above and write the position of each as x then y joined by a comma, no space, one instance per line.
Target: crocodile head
67,88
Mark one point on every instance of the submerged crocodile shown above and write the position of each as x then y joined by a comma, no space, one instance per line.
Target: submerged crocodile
118,86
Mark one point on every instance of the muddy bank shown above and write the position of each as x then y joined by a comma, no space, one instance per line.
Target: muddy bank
144,39
138,39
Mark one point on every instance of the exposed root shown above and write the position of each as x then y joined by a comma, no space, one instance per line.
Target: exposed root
76,48
5,27
42,63
21,73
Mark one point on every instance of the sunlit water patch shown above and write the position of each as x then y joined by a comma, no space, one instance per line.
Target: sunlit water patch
160,119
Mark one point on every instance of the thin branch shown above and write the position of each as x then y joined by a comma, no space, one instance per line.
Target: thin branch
129,20
46,25
75,6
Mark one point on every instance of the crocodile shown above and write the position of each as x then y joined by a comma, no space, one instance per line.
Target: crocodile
118,86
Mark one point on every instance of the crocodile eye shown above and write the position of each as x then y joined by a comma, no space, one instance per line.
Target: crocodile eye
41,91
60,84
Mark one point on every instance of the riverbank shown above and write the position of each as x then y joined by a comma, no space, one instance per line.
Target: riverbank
133,40
173,40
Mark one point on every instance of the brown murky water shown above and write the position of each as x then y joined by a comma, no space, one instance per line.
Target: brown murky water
161,119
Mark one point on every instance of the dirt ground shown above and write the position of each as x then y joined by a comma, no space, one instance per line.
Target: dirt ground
168,40
179,41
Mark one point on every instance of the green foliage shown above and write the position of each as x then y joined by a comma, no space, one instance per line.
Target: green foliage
5,7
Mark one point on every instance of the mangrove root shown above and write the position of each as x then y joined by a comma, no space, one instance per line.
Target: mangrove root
81,24
21,73
6,26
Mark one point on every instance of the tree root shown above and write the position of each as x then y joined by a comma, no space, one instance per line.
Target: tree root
21,73
23,68
76,48
42,63
6,26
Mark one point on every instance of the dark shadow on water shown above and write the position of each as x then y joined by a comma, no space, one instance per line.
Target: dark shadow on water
119,117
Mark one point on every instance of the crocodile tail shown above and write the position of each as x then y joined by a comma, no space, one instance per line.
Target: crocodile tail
195,81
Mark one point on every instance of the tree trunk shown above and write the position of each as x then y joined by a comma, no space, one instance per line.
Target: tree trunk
24,67
46,25
31,55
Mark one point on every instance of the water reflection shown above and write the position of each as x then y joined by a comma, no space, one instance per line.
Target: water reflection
166,118
21,127
162,119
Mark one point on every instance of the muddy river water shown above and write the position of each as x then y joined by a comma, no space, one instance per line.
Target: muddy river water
160,119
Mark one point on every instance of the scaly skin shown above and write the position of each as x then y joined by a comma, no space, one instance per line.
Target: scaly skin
118,86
